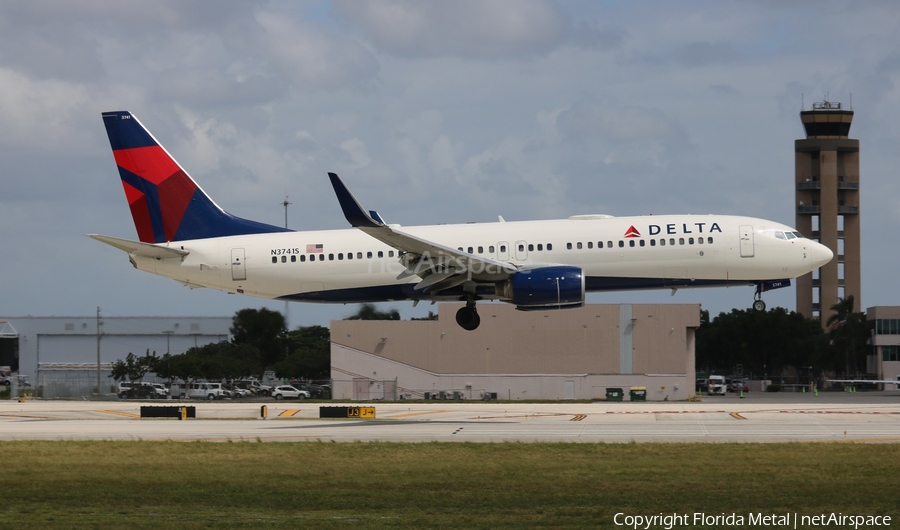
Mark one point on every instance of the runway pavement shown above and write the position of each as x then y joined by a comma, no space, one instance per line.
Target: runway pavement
759,417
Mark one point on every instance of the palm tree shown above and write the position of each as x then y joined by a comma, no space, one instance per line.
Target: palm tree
848,330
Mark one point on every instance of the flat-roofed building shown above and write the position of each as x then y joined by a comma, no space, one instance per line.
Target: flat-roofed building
566,354
885,340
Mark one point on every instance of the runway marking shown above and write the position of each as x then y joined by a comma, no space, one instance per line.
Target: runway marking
665,411
579,417
288,413
836,412
737,416
407,415
118,413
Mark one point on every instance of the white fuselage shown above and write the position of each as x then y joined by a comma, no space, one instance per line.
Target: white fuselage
615,253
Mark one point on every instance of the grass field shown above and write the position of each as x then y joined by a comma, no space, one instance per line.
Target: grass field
435,485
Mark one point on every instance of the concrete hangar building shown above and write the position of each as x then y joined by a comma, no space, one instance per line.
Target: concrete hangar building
571,354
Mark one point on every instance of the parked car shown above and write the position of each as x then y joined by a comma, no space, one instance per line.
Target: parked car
738,385
236,391
139,392
159,390
288,392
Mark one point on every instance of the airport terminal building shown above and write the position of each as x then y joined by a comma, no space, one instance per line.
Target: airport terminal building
518,355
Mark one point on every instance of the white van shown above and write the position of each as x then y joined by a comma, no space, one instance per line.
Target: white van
208,391
716,385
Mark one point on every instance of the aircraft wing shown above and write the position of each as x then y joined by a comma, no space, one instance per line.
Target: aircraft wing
439,266
141,249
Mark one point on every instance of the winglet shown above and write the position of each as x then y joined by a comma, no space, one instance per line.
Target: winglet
356,215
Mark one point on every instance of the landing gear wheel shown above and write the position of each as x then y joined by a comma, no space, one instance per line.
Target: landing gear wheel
468,318
759,305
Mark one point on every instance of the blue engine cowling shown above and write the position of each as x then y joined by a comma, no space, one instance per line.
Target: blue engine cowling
557,287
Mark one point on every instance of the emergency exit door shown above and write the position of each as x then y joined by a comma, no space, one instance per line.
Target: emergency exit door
238,267
746,241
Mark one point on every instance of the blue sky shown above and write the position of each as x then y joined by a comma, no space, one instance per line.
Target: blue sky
432,112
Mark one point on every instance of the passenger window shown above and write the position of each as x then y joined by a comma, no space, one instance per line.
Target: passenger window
599,244
549,246
340,255
359,255
380,254
331,257
470,250
369,255
621,244
302,258
578,245
491,249
349,255
709,240
274,259
680,240
569,246
390,253
642,242
662,242
502,248
321,257
609,244
530,247
540,246
699,240
690,241
631,242
293,258
672,241
652,242
590,244
460,249
481,250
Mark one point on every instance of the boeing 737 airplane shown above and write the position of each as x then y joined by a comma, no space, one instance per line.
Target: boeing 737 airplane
535,265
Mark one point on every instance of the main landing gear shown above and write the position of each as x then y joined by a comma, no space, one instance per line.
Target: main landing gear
467,317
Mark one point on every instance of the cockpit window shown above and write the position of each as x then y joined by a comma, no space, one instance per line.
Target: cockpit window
799,235
779,235
790,235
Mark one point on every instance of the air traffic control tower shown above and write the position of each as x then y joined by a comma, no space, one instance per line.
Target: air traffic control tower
827,199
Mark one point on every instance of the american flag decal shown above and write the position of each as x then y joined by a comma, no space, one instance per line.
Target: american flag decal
314,249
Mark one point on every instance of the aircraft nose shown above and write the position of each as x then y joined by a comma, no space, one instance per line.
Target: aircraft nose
820,254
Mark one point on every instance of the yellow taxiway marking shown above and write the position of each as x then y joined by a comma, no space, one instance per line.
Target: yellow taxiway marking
288,413
419,413
737,416
579,417
118,413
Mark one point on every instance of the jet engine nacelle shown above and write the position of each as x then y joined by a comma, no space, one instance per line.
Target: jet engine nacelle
555,287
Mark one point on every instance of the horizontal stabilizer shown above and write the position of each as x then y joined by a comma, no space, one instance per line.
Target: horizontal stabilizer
141,249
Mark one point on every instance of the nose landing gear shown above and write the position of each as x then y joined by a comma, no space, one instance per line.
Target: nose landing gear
758,303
